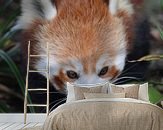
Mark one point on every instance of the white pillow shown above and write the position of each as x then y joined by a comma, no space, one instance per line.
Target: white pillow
70,93
76,92
143,91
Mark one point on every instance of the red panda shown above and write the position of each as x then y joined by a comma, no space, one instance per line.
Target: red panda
88,39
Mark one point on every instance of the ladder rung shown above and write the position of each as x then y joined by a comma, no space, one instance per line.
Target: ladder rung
36,105
37,89
38,55
32,71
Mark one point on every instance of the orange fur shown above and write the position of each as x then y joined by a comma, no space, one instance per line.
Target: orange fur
82,28
113,72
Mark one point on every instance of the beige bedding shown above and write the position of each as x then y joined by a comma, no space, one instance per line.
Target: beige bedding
106,114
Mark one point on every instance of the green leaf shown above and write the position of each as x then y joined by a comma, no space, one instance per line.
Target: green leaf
16,73
161,33
154,95
161,3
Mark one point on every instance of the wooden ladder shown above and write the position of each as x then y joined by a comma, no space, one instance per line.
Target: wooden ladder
26,104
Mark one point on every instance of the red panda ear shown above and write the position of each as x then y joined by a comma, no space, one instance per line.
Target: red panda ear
33,10
120,5
113,6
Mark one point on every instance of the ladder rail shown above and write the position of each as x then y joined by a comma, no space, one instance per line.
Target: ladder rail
47,71
48,68
26,87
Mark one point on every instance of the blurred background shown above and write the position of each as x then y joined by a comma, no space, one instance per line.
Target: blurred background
13,70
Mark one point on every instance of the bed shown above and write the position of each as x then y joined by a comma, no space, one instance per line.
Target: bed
106,114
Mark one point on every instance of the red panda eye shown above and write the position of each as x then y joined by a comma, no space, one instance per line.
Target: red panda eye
103,71
72,75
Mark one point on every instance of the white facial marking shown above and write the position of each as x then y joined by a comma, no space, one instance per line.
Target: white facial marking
119,61
76,63
104,58
54,67
90,79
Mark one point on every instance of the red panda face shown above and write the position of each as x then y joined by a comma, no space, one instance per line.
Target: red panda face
87,43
